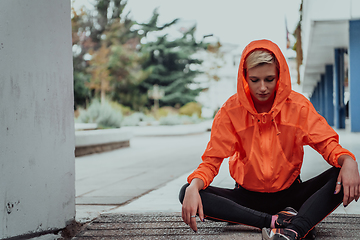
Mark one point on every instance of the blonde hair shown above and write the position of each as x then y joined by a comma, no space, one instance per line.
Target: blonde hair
260,57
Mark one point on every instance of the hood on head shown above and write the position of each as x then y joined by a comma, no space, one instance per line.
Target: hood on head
283,88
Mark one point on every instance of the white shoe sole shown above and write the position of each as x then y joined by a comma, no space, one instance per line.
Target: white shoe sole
265,236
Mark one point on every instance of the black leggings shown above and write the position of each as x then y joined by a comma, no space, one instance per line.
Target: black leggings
313,199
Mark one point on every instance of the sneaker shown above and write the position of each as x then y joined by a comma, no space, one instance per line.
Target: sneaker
284,217
279,234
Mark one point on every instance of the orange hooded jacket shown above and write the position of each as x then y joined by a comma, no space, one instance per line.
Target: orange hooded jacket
266,149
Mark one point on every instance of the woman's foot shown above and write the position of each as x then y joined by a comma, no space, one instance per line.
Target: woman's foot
279,234
283,219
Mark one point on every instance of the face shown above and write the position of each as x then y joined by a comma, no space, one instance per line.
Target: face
262,81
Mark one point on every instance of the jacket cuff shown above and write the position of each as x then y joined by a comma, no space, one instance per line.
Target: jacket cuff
196,175
343,153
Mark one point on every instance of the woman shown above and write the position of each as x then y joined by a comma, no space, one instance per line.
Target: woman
263,129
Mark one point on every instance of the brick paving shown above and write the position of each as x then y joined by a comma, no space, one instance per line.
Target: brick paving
170,226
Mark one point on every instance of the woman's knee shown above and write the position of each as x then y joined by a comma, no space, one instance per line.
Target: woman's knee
182,192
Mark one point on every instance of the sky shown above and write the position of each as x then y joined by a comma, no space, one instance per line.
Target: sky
230,21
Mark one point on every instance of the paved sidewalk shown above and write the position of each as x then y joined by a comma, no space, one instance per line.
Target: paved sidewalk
170,226
111,179
156,215
165,199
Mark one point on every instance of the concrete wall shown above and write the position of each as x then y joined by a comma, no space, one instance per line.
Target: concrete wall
37,163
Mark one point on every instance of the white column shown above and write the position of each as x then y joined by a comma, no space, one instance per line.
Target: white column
37,163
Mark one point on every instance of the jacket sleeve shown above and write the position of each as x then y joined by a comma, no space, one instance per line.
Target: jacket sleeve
321,137
220,146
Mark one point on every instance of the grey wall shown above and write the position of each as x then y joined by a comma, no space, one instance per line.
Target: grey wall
37,163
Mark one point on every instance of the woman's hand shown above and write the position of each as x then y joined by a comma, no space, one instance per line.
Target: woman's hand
192,203
349,179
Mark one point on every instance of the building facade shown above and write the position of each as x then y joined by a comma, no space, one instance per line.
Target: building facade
330,71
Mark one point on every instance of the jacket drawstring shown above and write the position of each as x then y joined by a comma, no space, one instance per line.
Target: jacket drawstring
276,127
263,120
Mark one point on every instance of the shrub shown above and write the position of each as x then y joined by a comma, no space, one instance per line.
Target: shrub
102,114
179,119
190,109
164,111
195,118
126,111
170,120
135,118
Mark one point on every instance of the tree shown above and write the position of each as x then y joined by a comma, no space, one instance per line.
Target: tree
215,61
100,79
80,45
106,52
172,64
109,58
81,91
127,73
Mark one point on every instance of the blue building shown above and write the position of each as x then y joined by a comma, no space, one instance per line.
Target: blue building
330,70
